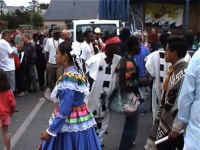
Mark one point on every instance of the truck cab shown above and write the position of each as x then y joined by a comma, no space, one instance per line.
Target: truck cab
107,27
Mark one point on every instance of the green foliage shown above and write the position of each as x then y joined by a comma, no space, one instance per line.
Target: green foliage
20,18
43,6
37,20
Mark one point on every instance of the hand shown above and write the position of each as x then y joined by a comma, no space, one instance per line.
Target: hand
144,82
150,145
173,135
11,55
45,136
19,47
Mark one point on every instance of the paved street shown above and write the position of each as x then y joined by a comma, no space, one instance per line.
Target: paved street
32,119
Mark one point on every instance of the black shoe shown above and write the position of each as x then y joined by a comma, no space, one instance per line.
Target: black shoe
133,145
34,91
102,145
42,88
142,113
16,110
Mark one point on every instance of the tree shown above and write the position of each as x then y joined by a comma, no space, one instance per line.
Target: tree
33,6
37,20
43,6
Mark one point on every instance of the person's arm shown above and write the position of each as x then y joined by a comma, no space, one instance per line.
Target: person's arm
12,101
176,128
188,90
83,52
9,49
150,65
186,98
46,49
67,97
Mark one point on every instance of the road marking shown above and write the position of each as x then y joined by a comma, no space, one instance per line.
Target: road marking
26,123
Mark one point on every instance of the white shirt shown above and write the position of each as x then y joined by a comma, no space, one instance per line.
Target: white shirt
189,102
50,47
6,63
87,50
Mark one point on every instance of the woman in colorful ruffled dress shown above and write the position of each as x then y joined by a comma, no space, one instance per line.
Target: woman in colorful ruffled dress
71,124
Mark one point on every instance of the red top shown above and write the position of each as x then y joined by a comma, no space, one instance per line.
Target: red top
7,103
153,38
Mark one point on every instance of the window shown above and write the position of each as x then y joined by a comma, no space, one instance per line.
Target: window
107,29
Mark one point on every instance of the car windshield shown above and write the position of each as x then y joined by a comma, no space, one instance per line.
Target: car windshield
106,29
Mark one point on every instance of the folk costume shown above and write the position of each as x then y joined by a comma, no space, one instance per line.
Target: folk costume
166,119
103,84
71,123
157,68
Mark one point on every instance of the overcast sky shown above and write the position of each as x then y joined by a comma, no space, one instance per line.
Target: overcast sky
22,2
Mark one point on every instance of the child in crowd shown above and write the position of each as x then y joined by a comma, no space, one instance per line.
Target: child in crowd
7,107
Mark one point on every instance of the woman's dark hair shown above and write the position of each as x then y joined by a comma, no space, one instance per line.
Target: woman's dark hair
124,34
179,44
163,39
4,83
132,41
35,37
189,37
65,48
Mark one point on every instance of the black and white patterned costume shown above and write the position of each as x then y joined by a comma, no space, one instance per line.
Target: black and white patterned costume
103,82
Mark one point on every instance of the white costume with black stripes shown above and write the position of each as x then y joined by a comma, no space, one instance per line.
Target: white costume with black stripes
104,82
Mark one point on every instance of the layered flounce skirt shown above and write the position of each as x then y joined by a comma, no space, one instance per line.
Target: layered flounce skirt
76,134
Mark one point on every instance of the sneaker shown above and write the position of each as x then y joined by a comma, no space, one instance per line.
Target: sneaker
133,145
21,94
142,113
47,94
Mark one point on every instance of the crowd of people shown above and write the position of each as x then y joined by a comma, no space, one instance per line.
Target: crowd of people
82,77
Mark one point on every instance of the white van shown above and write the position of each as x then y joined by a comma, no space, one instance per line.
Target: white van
107,27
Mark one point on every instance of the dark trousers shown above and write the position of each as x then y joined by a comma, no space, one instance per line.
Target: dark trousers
41,67
129,132
21,79
172,144
30,78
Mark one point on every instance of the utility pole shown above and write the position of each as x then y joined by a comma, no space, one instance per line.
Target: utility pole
187,7
1,4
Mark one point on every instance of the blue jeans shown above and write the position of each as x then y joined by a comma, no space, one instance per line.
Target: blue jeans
129,132
142,106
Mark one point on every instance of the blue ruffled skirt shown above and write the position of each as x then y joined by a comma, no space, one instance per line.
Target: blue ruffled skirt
82,140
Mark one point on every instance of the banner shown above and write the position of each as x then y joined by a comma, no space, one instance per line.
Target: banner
159,15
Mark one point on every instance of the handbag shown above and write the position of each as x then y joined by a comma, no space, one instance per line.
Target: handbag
17,61
123,105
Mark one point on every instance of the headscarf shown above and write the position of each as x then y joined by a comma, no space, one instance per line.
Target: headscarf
112,40
75,53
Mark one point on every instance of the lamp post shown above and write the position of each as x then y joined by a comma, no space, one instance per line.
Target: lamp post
1,4
187,7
